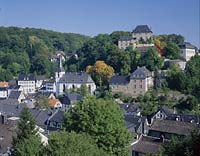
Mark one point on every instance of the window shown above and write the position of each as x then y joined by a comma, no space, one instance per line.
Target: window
134,86
141,81
140,86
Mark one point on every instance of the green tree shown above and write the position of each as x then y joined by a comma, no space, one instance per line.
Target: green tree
29,147
135,56
63,143
40,64
103,120
84,90
42,103
187,146
172,51
148,103
151,60
27,142
120,61
115,36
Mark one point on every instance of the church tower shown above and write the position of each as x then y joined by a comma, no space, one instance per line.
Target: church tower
60,70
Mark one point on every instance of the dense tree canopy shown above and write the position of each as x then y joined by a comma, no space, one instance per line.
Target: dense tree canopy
152,60
171,51
100,72
72,144
103,120
188,146
186,81
24,50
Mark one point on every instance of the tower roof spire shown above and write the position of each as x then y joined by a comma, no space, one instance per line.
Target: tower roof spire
60,66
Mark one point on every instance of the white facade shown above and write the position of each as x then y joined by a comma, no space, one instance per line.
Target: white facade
29,87
38,83
144,36
125,44
3,93
50,87
61,87
187,53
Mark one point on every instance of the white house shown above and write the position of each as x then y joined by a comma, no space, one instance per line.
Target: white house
187,50
27,82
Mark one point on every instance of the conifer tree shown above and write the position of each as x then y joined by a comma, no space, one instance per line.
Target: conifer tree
27,142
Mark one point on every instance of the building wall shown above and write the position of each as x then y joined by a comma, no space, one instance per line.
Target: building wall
39,83
125,44
187,53
135,87
21,98
50,87
3,94
65,86
28,86
144,36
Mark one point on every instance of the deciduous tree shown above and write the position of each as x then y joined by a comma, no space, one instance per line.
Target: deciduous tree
103,120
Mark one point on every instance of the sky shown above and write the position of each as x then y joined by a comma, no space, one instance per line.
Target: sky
91,17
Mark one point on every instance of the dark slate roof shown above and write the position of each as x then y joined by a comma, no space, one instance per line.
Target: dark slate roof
72,97
130,108
15,94
132,121
3,88
140,73
148,145
119,80
187,45
7,131
43,94
81,77
41,117
166,110
14,87
40,77
184,118
29,77
11,109
12,82
142,29
57,116
125,38
173,127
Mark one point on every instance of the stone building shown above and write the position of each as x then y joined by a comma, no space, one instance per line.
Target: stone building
138,83
142,34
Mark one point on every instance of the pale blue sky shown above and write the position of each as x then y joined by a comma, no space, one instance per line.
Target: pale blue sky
92,17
